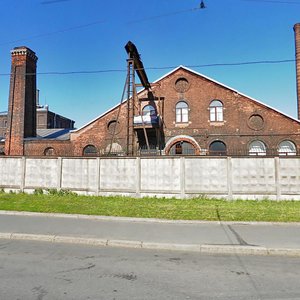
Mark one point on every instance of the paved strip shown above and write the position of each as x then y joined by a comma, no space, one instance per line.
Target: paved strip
207,249
140,220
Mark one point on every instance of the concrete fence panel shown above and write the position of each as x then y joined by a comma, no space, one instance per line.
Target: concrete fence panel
118,175
289,176
11,172
161,175
253,176
41,173
206,175
79,174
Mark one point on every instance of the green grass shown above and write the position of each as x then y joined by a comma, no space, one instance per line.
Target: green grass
193,209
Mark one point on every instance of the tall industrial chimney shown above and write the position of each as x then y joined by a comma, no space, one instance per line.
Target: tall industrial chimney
22,100
297,46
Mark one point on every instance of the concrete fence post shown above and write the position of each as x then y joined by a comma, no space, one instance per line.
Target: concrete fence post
23,174
277,177
138,177
59,172
98,176
182,177
229,178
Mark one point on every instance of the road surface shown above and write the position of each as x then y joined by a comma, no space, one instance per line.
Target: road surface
41,270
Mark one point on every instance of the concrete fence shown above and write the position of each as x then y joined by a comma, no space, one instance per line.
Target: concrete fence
180,177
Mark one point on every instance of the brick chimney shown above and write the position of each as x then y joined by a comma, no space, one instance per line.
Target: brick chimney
297,46
21,121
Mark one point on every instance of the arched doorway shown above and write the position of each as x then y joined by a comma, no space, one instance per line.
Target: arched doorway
182,145
182,148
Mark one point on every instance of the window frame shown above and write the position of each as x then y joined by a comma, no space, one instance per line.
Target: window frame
251,151
216,112
293,149
151,112
182,112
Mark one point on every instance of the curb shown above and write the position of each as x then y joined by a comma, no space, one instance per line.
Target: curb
142,220
205,249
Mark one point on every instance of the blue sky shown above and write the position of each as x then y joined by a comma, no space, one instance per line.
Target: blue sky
90,35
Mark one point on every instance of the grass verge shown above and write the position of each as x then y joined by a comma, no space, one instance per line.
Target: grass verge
192,209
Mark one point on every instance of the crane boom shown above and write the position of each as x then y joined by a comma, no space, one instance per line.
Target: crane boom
138,65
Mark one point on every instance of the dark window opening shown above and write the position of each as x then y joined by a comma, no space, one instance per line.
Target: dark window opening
90,150
217,148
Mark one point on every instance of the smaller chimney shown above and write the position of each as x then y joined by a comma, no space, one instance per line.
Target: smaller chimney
297,48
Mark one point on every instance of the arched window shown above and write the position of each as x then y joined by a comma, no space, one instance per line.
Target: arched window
49,151
182,112
287,148
182,148
90,150
217,148
216,111
149,110
114,149
257,148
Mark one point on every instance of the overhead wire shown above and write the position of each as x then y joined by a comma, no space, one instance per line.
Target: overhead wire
160,68
53,32
274,1
96,23
137,21
165,15
200,7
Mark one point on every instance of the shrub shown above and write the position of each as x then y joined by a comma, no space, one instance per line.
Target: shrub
38,191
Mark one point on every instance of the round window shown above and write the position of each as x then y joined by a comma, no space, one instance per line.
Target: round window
256,122
113,127
181,85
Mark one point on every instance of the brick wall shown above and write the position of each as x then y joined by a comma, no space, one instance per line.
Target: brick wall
47,148
100,132
238,129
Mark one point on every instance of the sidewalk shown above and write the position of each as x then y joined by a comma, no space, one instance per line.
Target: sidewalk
204,237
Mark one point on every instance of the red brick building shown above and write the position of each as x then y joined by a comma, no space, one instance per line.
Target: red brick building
45,119
182,113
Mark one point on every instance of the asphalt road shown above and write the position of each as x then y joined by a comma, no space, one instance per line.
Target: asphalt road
38,270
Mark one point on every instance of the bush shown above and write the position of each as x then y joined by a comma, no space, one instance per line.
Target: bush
55,192
38,191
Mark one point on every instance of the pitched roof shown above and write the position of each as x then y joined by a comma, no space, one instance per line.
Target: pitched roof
59,134
54,133
198,74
